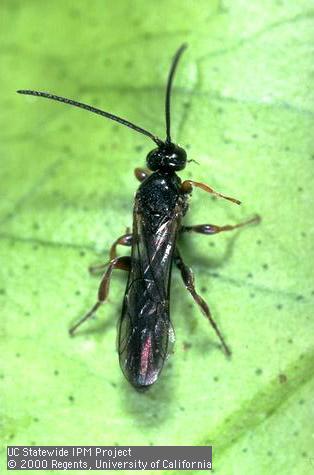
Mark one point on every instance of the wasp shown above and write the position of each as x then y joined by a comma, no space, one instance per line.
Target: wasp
145,331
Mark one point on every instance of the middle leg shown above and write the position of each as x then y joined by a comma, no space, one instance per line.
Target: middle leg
125,240
123,263
214,229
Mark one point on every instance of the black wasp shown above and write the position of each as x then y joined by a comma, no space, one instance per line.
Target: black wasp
145,329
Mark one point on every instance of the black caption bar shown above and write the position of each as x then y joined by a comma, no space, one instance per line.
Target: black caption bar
108,458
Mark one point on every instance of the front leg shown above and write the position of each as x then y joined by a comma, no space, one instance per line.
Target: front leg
141,173
187,187
188,279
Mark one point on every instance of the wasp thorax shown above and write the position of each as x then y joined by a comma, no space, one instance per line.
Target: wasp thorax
167,157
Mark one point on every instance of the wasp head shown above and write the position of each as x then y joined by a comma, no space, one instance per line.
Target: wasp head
167,157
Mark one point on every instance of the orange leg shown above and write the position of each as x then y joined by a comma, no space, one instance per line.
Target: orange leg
141,173
125,240
187,187
123,263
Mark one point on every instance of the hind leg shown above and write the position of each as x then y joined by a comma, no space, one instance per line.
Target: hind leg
188,279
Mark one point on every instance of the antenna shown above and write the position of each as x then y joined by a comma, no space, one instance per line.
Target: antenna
93,109
169,85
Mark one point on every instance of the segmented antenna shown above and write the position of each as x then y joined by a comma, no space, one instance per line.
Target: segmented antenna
169,85
93,109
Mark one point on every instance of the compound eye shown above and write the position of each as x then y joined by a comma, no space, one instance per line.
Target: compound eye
153,159
178,159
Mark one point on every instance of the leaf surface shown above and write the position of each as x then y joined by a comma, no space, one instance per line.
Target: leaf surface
243,108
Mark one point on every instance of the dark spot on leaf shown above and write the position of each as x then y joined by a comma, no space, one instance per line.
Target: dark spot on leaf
301,402
258,371
138,148
250,275
252,295
82,253
77,292
71,398
290,341
212,244
282,378
2,291
182,408
254,136
300,188
114,385
56,372
203,289
18,355
244,450
279,306
186,345
269,453
216,379
270,412
300,297
259,242
67,149
265,266
35,419
74,13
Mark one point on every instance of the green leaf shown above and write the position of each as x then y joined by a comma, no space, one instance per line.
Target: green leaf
243,108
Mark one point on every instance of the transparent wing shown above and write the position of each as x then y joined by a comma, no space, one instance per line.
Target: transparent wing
145,330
